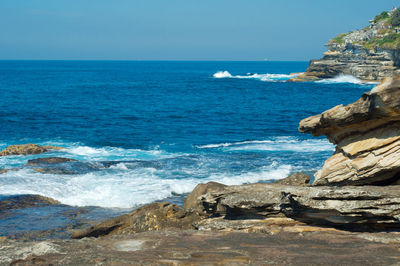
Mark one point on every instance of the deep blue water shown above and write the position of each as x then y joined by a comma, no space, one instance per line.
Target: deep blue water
165,126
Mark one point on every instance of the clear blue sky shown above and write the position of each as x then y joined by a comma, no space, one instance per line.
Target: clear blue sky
178,29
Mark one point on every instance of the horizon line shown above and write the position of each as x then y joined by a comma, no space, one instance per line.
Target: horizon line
157,60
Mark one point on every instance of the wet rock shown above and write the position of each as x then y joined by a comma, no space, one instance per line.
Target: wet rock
367,138
296,179
152,217
50,147
63,166
49,160
25,201
193,201
3,171
354,208
191,247
25,149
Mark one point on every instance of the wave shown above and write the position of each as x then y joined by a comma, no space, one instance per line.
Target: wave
262,77
277,144
345,79
122,188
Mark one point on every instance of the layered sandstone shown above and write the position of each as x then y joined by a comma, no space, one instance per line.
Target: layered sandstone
367,138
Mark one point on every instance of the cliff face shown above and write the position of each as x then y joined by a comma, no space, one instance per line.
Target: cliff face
370,54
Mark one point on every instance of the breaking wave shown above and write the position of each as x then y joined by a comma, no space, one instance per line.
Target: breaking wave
345,79
262,77
277,144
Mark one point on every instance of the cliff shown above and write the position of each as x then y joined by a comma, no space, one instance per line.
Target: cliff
370,54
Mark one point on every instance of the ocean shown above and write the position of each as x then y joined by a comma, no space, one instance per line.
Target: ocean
146,131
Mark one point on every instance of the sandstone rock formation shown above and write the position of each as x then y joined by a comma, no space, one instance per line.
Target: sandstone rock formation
152,217
27,149
193,202
352,207
367,138
370,54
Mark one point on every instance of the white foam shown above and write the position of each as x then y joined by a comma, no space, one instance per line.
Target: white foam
123,189
262,77
345,79
277,144
222,74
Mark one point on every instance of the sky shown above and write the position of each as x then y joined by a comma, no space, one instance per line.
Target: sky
293,30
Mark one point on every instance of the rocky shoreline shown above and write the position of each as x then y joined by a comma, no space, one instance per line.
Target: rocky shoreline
350,215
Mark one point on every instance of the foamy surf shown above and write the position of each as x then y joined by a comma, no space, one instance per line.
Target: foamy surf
345,79
122,189
262,77
277,144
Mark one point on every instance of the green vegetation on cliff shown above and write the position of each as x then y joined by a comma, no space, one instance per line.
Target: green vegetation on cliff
381,16
383,33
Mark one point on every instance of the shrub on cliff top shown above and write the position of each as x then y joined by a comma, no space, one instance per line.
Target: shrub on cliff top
396,18
381,16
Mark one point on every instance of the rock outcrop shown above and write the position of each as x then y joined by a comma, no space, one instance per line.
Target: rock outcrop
192,201
352,207
152,217
27,149
370,54
367,138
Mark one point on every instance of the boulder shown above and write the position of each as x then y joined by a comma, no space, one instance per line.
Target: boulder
152,217
296,179
49,160
367,138
352,207
25,149
193,201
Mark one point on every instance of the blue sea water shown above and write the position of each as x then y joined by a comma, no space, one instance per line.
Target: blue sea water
148,131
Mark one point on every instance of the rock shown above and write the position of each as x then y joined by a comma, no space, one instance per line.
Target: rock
367,138
352,207
50,147
25,149
192,201
3,171
191,247
49,160
25,201
296,179
152,217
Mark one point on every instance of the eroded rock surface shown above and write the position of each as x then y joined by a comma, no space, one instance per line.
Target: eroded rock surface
193,200
353,207
367,138
152,217
205,248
